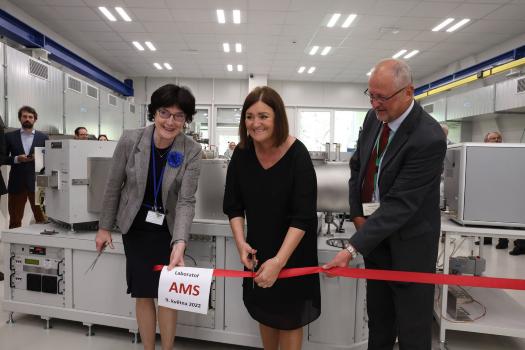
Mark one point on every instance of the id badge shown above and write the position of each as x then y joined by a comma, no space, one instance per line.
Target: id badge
370,208
155,217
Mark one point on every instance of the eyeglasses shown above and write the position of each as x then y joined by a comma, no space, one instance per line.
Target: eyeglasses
382,99
165,114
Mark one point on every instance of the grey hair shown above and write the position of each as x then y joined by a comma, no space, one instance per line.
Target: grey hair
400,69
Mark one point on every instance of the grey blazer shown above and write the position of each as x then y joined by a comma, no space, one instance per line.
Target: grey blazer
127,183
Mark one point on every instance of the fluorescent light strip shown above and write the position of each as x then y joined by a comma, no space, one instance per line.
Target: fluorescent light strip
411,54
458,25
158,66
311,70
399,54
313,50
326,50
301,69
237,16
150,46
238,47
138,45
220,16
239,68
107,13
333,20
226,47
229,67
168,66
349,20
123,14
443,24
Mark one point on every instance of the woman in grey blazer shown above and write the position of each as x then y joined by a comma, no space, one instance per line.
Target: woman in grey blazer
150,196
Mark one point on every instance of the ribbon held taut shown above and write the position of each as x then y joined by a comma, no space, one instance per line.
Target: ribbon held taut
385,275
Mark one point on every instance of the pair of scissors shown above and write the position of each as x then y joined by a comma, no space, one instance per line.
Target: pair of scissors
92,266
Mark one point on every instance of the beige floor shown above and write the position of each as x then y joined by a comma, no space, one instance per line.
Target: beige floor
28,332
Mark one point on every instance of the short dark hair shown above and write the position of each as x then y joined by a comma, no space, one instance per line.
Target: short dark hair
102,135
27,109
172,95
77,130
270,97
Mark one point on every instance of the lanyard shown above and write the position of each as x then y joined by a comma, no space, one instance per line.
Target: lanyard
379,157
156,186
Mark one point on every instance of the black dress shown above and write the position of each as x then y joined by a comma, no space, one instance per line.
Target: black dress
274,200
147,244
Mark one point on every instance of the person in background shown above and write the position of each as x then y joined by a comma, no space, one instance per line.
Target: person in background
394,204
20,146
229,152
150,196
271,180
102,137
81,133
444,126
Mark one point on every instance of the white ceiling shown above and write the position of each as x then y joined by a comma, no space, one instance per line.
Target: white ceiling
276,34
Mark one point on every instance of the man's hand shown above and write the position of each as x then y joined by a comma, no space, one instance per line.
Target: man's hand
340,260
24,158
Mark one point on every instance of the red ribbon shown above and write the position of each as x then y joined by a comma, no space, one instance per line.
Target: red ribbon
386,275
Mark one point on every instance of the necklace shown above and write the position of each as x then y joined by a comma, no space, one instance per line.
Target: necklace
162,154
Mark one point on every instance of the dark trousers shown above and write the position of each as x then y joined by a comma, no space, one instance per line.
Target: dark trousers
16,205
402,310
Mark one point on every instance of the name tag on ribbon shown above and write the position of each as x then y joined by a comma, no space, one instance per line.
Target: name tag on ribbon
185,289
370,208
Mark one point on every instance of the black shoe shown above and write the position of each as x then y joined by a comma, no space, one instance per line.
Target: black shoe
1,276
517,251
503,243
486,241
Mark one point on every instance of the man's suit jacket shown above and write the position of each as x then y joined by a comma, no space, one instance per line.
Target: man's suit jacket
408,189
4,159
128,178
22,175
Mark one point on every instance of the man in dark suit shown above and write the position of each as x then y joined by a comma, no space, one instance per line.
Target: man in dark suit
3,160
20,145
394,204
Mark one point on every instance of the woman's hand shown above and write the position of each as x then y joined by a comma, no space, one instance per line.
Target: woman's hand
268,272
103,239
244,252
177,255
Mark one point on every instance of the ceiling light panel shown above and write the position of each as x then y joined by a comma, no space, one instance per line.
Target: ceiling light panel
138,45
313,50
443,24
229,67
226,47
411,54
333,20
238,47
326,50
399,53
458,25
150,46
311,70
301,69
221,18
239,68
168,66
237,16
348,21
157,65
107,13
123,14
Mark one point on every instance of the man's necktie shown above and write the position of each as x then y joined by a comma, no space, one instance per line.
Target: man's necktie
373,165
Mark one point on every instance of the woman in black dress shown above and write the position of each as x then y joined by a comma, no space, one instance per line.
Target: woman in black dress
150,196
271,181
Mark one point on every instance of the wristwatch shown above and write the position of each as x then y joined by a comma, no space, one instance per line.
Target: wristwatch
352,251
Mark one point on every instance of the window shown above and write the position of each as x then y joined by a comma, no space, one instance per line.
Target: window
346,128
227,127
198,128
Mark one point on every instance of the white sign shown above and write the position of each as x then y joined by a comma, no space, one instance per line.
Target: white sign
185,288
